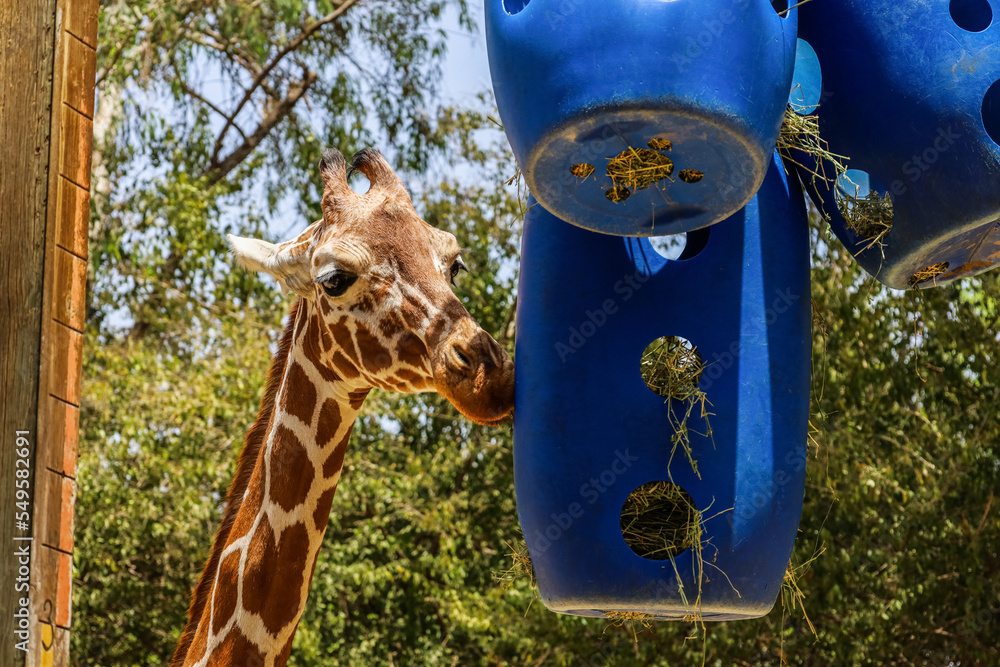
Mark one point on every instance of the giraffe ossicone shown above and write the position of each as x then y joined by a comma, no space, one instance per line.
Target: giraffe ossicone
375,309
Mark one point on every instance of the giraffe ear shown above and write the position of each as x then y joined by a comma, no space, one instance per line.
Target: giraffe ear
291,271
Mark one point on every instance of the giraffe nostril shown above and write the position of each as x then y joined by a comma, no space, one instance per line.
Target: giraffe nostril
461,358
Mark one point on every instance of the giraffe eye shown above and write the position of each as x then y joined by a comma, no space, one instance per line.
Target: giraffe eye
457,267
336,283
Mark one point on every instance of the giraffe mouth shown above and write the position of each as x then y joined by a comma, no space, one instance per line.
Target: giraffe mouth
498,421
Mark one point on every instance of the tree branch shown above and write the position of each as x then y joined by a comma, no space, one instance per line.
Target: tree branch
275,113
193,93
306,33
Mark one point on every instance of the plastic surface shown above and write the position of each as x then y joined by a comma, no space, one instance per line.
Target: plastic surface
588,430
905,97
582,81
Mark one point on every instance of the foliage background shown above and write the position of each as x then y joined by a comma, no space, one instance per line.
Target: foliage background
897,552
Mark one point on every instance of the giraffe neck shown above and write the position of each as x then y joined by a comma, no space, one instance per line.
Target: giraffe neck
265,556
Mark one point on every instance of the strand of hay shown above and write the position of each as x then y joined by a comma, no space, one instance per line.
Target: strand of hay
629,619
672,368
926,274
659,521
520,566
638,168
800,133
870,217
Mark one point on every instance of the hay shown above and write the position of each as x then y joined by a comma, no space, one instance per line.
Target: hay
618,194
659,521
660,144
671,367
691,175
520,567
800,134
629,619
870,217
638,168
926,274
582,169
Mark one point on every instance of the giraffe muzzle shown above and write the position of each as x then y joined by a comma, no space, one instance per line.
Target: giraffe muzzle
475,373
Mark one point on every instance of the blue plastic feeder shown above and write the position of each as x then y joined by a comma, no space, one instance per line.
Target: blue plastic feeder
641,117
590,432
911,94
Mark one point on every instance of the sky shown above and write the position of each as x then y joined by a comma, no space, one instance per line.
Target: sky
466,70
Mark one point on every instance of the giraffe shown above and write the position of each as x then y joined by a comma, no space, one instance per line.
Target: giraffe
375,310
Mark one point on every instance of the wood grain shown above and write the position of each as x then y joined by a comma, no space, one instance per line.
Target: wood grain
27,31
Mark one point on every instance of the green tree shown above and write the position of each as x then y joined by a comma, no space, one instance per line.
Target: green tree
897,553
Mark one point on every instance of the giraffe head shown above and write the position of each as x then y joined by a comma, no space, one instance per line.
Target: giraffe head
377,281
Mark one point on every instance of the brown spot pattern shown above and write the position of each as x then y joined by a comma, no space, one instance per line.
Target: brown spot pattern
236,650
363,305
314,337
287,651
357,397
404,375
343,337
348,369
226,591
329,422
275,571
373,354
200,643
413,314
391,324
335,461
411,350
250,506
322,512
291,471
298,395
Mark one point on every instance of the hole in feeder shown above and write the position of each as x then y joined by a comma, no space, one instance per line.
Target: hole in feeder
780,6
971,15
691,175
807,80
638,168
671,367
659,520
660,144
514,6
867,213
683,246
991,112
582,169
618,194
696,242
927,274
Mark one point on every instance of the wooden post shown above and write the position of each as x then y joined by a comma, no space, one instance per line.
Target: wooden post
47,69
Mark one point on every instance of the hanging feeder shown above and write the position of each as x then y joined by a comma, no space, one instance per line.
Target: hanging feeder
911,95
661,412
641,117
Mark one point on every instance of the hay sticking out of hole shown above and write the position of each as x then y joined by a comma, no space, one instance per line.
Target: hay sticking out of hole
800,134
660,144
659,521
520,567
671,367
618,194
926,274
691,175
870,217
629,620
638,168
582,170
